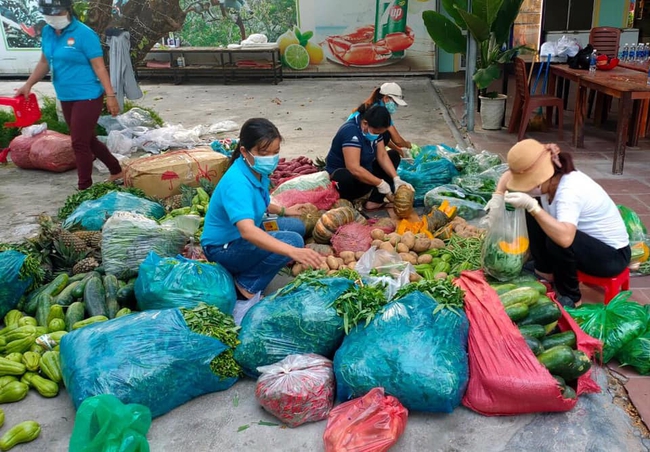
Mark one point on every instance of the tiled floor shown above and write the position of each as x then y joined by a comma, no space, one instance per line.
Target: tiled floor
632,189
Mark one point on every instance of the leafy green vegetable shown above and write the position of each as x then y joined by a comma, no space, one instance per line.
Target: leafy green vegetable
447,294
210,321
360,303
7,133
96,191
501,265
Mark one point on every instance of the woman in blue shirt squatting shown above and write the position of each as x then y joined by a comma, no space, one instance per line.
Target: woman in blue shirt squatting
388,95
73,55
358,162
237,232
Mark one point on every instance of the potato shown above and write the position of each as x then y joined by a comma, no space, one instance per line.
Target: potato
402,248
437,244
358,254
347,256
414,254
394,238
331,272
352,264
332,263
414,277
376,243
421,244
425,259
406,257
408,239
387,246
296,269
340,262
440,275
377,234
324,266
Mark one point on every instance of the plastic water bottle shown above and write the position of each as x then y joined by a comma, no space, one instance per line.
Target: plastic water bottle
592,62
624,53
646,51
631,57
648,82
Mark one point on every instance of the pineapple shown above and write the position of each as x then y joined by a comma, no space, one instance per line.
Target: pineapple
93,239
72,241
85,265
65,257
173,202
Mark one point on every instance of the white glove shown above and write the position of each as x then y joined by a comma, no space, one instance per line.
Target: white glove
383,188
399,182
494,205
521,200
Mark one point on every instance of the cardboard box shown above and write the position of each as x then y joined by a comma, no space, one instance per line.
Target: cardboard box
162,175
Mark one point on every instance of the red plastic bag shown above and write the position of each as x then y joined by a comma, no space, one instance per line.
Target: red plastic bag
323,198
53,152
505,376
372,423
19,151
298,389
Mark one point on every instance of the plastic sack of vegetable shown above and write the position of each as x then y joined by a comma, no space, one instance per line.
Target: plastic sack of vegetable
615,324
505,249
298,389
91,215
372,423
14,282
427,171
160,359
128,238
104,424
505,377
384,267
305,182
469,206
636,353
414,350
297,319
176,282
636,232
322,198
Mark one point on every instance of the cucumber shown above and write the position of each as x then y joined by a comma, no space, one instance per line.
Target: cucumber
65,297
543,299
552,328
525,295
517,311
126,295
123,311
57,285
534,344
74,314
89,321
579,366
78,292
43,310
536,331
560,381
538,286
569,393
557,359
32,301
523,277
111,286
542,314
95,297
77,277
566,338
503,288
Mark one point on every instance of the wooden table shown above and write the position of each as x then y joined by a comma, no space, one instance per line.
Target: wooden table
626,85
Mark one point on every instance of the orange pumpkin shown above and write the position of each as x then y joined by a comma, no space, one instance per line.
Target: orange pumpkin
331,220
517,246
309,217
403,201
436,219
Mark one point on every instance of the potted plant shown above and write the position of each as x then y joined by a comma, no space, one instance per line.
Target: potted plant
489,24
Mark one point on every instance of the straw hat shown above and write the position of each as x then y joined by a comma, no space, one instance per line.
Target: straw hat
530,164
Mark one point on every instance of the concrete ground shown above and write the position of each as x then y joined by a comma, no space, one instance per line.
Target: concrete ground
308,113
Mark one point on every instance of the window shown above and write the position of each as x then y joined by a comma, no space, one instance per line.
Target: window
561,15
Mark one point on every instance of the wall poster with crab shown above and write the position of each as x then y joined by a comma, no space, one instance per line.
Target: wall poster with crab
20,32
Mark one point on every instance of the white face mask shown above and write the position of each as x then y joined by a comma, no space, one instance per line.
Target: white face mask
57,22
536,192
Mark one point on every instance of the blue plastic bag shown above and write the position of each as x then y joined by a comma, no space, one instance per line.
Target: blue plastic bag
12,287
415,355
91,215
151,358
427,171
294,323
176,282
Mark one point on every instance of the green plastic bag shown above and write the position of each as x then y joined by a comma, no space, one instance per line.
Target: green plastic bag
104,424
615,324
636,230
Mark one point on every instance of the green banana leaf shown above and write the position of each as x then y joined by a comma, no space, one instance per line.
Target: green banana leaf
444,32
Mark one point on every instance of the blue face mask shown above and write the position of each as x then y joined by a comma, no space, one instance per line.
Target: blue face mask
391,107
371,136
265,165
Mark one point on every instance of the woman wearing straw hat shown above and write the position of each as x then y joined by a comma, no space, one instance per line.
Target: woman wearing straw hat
576,227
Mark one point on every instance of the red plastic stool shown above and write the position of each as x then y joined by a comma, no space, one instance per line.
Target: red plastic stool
26,110
612,285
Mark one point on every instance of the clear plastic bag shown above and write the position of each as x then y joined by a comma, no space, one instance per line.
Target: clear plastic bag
468,206
13,286
506,245
243,306
298,389
305,183
104,424
91,215
121,142
637,234
391,270
165,283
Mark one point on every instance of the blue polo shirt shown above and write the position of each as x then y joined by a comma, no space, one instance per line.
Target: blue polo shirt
350,135
238,196
69,55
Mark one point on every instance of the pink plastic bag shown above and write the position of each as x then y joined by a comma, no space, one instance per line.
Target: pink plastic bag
505,376
53,152
323,198
372,423
352,237
19,151
298,389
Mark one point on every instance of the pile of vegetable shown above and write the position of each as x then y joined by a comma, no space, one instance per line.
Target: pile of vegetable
289,169
95,192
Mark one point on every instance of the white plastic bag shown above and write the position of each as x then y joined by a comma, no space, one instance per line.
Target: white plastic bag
242,307
305,183
391,269
223,126
34,130
121,142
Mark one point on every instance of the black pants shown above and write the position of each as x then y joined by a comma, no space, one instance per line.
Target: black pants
587,254
351,188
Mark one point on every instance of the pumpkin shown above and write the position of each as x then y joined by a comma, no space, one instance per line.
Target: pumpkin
436,219
345,203
331,220
403,201
385,223
309,217
518,246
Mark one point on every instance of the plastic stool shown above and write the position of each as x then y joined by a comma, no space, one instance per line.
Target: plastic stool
612,285
26,110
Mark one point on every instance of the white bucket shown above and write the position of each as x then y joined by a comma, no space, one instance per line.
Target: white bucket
492,111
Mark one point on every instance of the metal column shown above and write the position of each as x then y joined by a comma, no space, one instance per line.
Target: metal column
470,68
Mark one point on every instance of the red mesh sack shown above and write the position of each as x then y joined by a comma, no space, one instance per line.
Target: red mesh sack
323,198
19,150
505,376
53,152
372,423
352,237
298,389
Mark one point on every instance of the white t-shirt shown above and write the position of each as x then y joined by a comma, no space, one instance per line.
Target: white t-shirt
580,201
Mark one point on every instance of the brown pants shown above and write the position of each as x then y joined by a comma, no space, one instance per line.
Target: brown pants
81,117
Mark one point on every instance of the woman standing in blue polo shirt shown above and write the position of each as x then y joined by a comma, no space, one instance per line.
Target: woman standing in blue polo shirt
72,53
237,234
